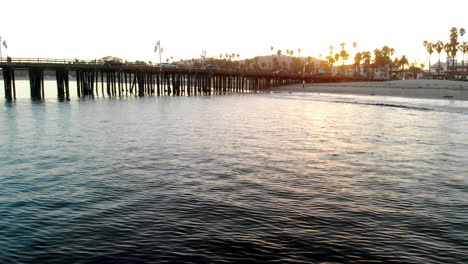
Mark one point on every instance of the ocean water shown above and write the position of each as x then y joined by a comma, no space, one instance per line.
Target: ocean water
257,178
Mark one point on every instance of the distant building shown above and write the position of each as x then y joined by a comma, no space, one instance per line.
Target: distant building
456,70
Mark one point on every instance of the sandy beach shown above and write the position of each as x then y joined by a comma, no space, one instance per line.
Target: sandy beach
430,89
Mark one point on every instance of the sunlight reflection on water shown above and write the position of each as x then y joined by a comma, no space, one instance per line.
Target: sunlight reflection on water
251,178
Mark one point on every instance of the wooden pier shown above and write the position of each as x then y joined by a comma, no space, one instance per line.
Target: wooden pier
94,79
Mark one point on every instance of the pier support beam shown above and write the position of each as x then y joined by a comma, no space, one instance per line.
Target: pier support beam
63,90
36,83
9,83
85,82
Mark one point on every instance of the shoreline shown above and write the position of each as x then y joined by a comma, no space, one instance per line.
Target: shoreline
422,89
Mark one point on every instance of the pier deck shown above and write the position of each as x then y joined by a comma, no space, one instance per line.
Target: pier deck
93,77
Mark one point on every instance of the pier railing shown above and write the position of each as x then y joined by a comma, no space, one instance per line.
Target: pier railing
52,64
48,61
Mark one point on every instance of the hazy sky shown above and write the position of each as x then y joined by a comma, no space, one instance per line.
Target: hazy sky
129,29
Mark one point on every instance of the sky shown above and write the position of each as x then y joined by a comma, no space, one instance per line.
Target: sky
90,29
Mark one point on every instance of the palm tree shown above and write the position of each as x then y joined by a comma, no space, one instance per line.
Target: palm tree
354,45
344,55
448,51
462,33
279,52
464,50
330,60
386,53
430,49
337,57
396,62
357,62
342,45
403,61
330,57
439,46
454,44
366,56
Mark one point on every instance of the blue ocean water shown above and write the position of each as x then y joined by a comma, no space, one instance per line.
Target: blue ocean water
268,178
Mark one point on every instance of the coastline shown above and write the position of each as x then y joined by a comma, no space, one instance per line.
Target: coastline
424,89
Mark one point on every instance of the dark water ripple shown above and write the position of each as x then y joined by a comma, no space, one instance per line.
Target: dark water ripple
250,179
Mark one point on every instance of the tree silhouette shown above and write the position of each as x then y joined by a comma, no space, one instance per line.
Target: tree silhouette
342,45
464,50
357,62
448,51
430,49
330,58
337,57
454,46
354,47
403,61
344,55
383,58
439,47
462,47
366,56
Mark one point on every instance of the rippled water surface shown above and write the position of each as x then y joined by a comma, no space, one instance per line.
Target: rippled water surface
300,178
